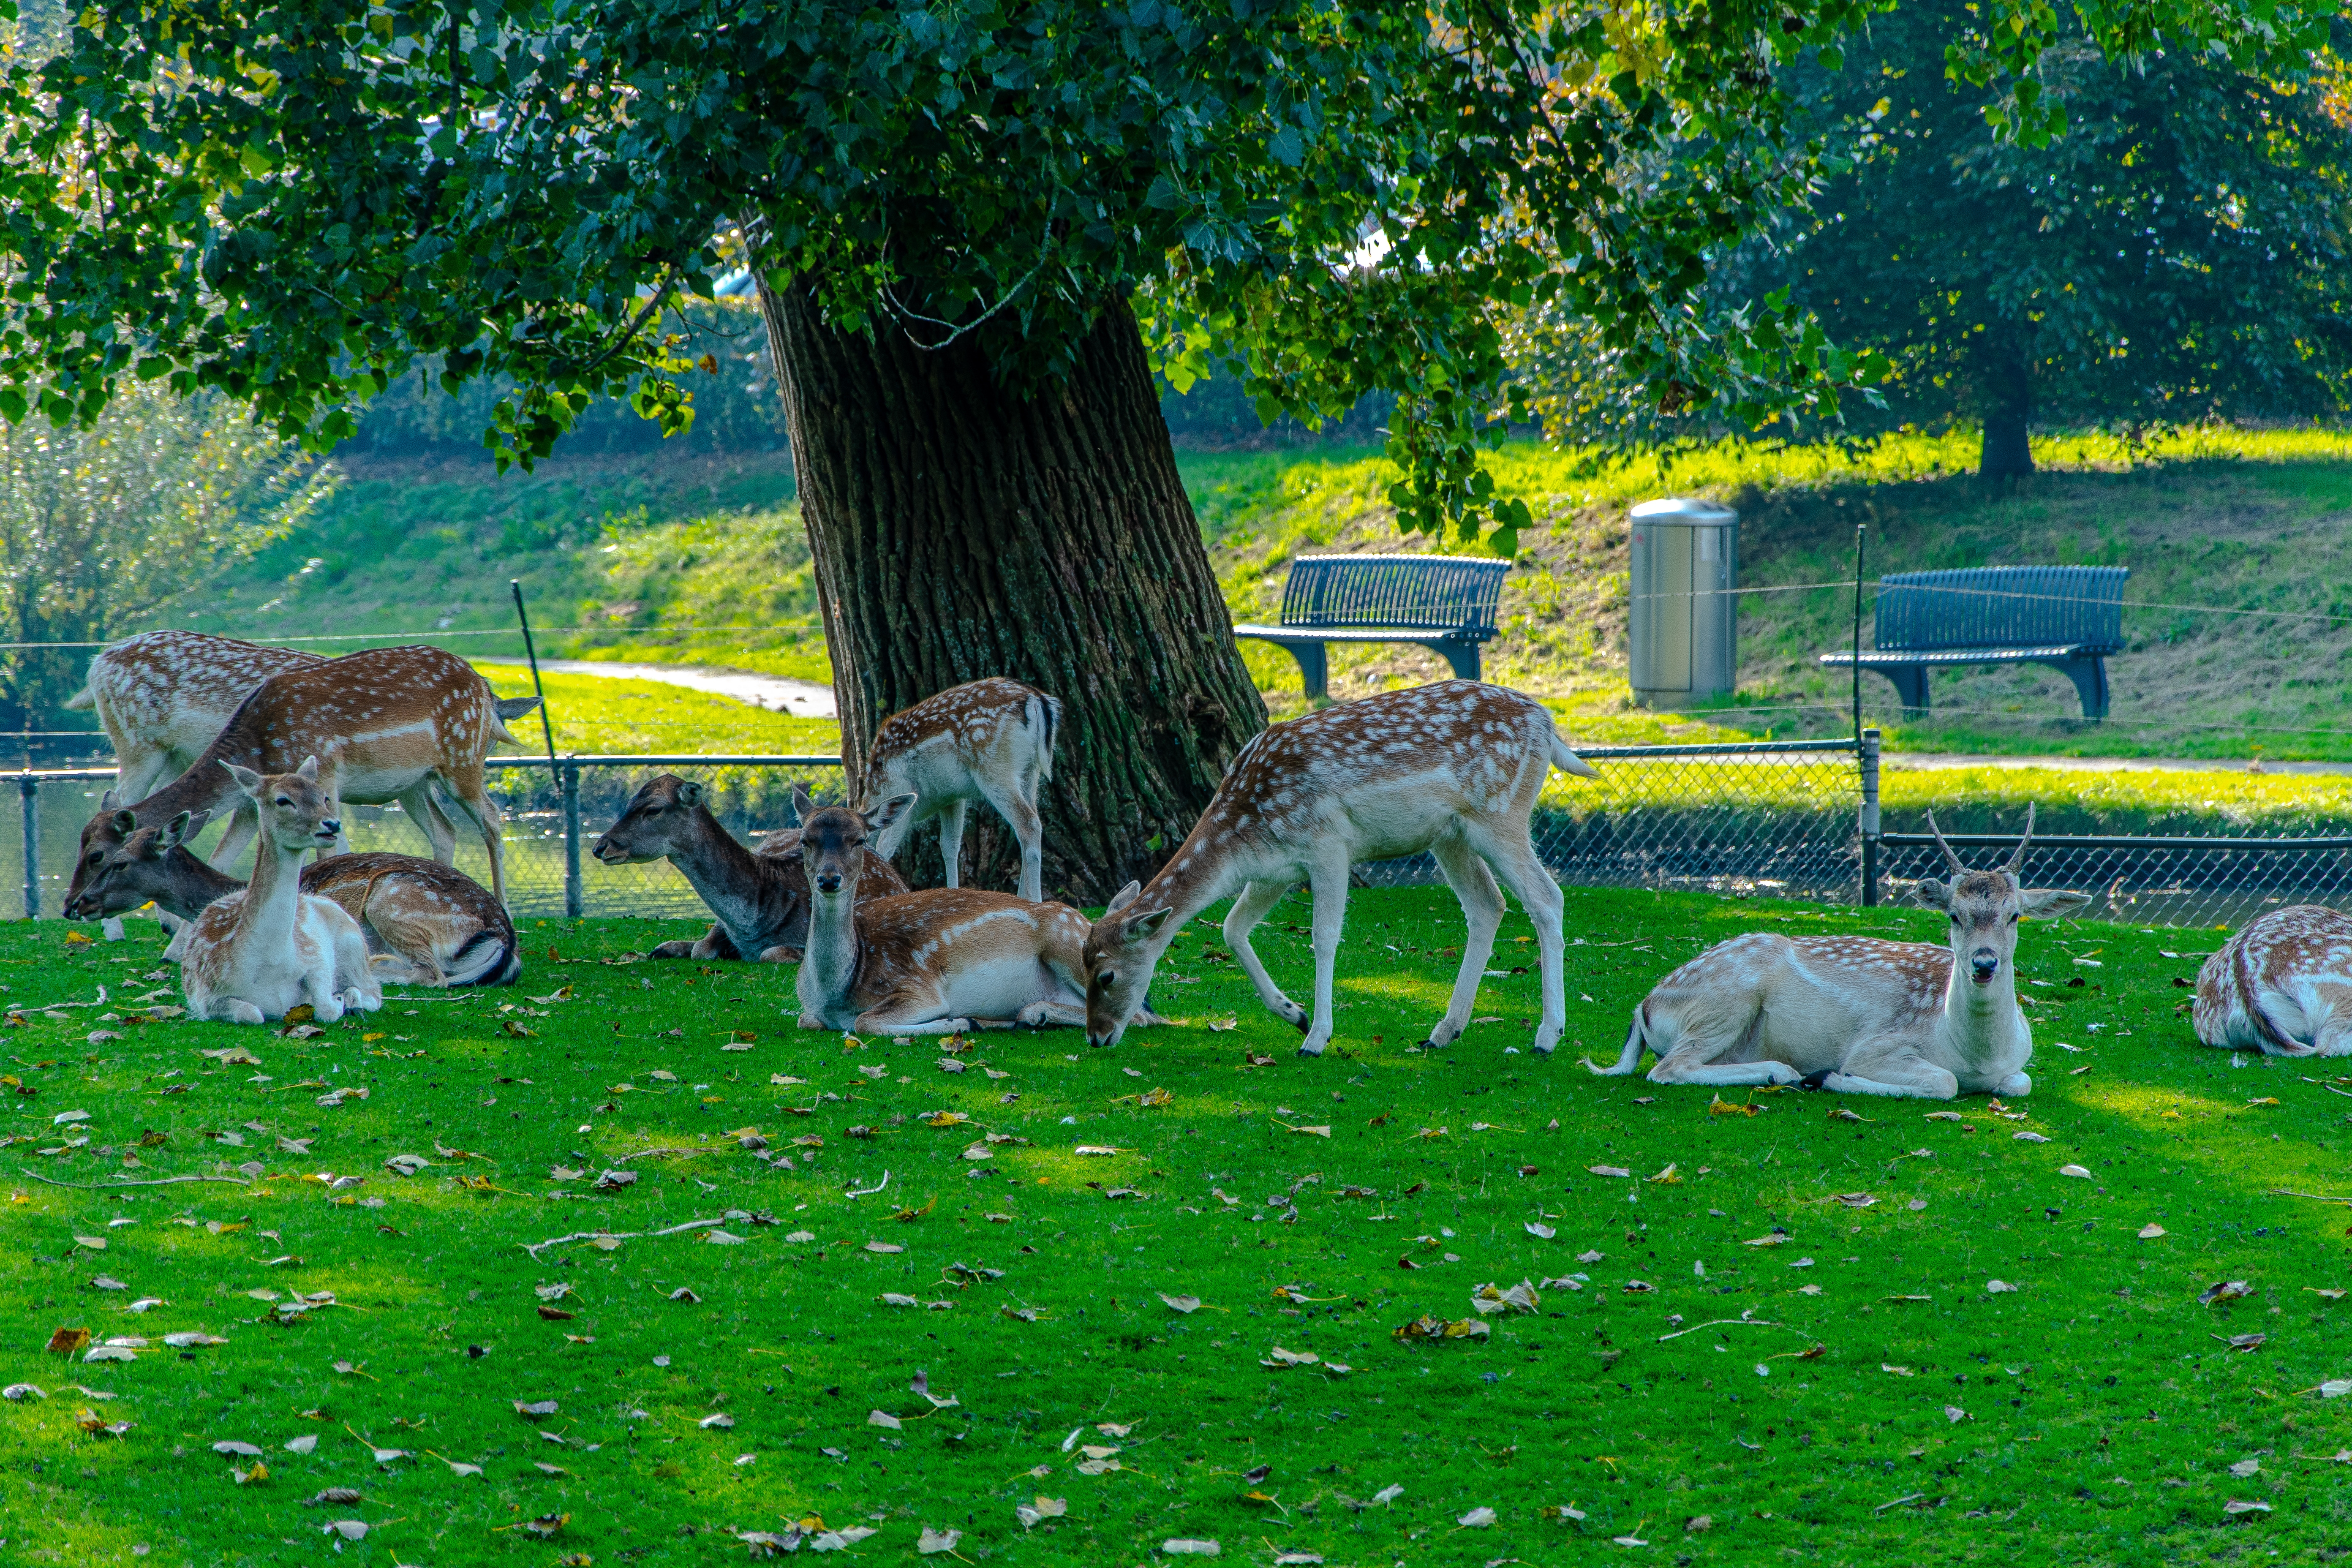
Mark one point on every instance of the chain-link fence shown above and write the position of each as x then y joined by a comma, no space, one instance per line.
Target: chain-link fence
1774,819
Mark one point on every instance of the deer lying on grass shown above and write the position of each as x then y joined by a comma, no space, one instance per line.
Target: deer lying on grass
1454,769
424,923
1853,1014
163,696
271,946
989,741
392,723
761,898
2283,985
938,961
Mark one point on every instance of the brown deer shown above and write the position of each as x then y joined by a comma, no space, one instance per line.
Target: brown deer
761,898
2282,987
1453,769
1853,1014
989,741
942,961
392,723
271,947
426,923
163,696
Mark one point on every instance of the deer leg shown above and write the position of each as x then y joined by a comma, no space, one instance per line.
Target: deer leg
1256,899
1892,1070
1685,1065
1482,907
485,812
440,834
1531,883
1329,885
911,1014
951,840
242,825
1029,831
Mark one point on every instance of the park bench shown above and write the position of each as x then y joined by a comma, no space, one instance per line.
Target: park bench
2067,617
1445,603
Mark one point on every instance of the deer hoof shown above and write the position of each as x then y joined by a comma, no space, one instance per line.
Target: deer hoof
1302,1023
679,949
1310,1050
1815,1079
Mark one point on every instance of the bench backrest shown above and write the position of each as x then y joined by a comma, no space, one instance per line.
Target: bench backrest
1424,593
2004,607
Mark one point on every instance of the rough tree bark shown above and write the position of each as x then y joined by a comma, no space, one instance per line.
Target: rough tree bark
960,532
2006,389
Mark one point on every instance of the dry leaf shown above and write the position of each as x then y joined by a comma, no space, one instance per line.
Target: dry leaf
1188,1546
1955,1414
1618,1171
1539,1230
2223,1290
2074,1171
2029,1138
1477,1519
1187,1304
934,1541
2234,1507
2150,1231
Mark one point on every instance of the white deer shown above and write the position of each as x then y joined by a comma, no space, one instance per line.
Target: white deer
2283,986
989,741
1454,769
163,696
270,946
1853,1014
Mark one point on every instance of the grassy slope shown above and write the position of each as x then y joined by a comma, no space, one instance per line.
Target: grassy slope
2089,1417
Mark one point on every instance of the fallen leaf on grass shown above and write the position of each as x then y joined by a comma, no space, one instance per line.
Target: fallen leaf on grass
1616,1170
933,1542
1519,1297
1998,1288
1539,1230
1955,1414
2029,1138
1186,1304
2151,1230
347,1529
66,1342
1187,1546
2223,1290
2245,1342
1477,1519
2234,1507
1041,1508
1429,1328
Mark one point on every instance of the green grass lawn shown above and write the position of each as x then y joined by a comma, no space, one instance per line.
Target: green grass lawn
1853,1392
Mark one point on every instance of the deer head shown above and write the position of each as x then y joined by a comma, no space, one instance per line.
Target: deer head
137,872
296,814
1986,906
833,840
1122,950
664,817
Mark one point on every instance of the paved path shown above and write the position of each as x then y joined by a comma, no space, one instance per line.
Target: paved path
1930,759
798,698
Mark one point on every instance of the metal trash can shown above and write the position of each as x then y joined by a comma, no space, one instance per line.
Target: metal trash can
1684,646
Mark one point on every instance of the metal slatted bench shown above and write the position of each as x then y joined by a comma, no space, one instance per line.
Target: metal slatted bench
2067,617
1445,603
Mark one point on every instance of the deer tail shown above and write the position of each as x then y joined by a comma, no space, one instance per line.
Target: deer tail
1051,724
82,700
1568,762
2270,1035
1631,1056
488,958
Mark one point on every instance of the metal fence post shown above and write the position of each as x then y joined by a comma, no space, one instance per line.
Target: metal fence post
570,781
30,788
1869,822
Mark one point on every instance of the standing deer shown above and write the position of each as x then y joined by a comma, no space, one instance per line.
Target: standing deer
392,723
1453,769
2283,985
426,923
271,947
1853,1014
761,898
163,696
938,961
989,741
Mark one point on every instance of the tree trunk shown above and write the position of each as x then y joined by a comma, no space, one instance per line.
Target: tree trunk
961,531
2007,391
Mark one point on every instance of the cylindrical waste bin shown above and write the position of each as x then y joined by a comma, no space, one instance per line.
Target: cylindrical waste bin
1685,632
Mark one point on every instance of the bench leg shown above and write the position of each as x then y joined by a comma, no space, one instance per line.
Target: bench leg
1911,685
1463,656
2090,677
1313,669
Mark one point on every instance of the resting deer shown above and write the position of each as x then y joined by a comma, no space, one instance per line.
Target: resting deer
761,898
392,722
1453,769
426,923
2283,985
989,741
163,696
938,962
1853,1014
271,946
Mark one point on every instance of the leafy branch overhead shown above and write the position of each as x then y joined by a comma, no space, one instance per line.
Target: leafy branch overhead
299,205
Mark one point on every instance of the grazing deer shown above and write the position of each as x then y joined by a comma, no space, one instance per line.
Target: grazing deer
271,947
989,741
392,722
163,696
426,923
938,961
2283,985
1853,1014
1453,769
761,898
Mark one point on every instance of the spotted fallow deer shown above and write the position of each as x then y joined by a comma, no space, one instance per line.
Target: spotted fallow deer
1453,769
938,962
989,741
271,947
761,898
392,723
163,696
1853,1014
2283,985
426,923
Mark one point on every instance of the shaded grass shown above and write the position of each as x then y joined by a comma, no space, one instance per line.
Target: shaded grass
2098,1413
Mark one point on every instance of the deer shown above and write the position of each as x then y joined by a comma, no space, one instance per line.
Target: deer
761,898
938,961
2282,987
424,923
271,947
1453,769
989,741
1854,1014
392,723
161,698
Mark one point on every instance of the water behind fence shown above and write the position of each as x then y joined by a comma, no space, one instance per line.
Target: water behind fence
1771,820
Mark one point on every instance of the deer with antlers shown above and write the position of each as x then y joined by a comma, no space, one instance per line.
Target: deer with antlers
2282,987
392,723
1453,769
1856,1015
162,696
989,741
271,947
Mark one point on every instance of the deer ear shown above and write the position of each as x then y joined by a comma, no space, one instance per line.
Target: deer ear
802,804
2054,903
196,822
879,819
310,769
1934,894
247,779
109,801
176,833
1123,898
689,794
1142,926
126,822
